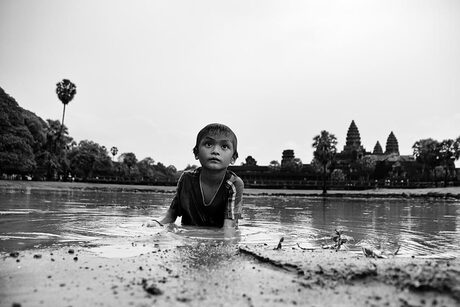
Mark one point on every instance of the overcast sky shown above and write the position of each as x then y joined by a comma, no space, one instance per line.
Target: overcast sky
150,74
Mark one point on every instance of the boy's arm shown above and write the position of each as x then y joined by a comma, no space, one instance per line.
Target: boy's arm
229,223
235,204
174,209
170,217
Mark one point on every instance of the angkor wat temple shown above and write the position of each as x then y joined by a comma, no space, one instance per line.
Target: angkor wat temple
351,161
353,149
388,163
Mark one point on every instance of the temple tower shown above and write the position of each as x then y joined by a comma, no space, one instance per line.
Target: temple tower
288,156
377,149
353,149
353,138
392,144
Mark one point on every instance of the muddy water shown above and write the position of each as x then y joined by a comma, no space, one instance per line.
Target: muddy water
113,223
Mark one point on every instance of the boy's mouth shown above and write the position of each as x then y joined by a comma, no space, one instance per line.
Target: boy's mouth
214,159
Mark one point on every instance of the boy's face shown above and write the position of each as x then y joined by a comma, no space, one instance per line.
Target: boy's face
215,151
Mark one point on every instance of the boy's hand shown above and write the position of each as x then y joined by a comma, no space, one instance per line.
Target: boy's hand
228,223
154,223
229,228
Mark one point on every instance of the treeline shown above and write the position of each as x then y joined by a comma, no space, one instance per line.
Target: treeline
43,150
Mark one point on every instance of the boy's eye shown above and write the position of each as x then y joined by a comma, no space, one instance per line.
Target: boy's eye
225,146
207,144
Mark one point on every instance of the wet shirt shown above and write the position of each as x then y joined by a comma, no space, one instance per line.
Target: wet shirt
189,203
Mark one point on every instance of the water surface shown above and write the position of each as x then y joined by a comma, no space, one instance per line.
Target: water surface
113,223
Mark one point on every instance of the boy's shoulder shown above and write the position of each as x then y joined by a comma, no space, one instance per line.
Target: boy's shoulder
233,179
189,174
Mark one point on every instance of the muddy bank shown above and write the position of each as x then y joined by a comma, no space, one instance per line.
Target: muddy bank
419,280
448,193
208,274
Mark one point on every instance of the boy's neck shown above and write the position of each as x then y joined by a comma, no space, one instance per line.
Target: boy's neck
212,176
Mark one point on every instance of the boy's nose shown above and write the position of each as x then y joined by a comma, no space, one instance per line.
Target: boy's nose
215,150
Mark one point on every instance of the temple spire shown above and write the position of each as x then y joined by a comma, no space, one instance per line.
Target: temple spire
353,138
392,144
377,149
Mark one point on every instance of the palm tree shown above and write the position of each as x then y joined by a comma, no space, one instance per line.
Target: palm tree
325,150
65,91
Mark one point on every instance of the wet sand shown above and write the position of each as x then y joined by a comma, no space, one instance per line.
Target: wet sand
225,275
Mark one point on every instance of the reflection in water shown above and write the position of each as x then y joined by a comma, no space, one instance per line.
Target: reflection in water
112,221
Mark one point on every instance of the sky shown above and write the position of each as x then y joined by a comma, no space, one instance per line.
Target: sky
150,74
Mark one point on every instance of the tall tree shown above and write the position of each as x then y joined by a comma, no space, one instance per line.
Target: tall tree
426,153
58,142
448,153
325,149
65,91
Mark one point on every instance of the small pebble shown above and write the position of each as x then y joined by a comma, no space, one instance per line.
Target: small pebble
37,256
71,251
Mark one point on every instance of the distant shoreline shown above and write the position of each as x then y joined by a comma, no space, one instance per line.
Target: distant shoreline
448,193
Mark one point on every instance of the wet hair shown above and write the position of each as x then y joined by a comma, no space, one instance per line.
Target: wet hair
216,129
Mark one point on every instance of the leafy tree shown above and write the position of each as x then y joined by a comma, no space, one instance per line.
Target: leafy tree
16,140
65,91
190,167
294,165
365,166
147,168
448,153
325,149
338,175
89,159
426,153
113,151
275,165
16,156
129,160
171,170
250,161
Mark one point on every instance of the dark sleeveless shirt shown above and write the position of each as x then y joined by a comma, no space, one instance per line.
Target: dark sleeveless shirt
188,201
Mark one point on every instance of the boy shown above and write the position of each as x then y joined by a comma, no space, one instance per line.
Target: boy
210,195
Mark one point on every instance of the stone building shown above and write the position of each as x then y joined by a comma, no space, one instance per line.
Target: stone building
377,149
353,150
392,145
387,162
287,157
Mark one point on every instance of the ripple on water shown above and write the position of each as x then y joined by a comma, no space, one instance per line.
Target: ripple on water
116,219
